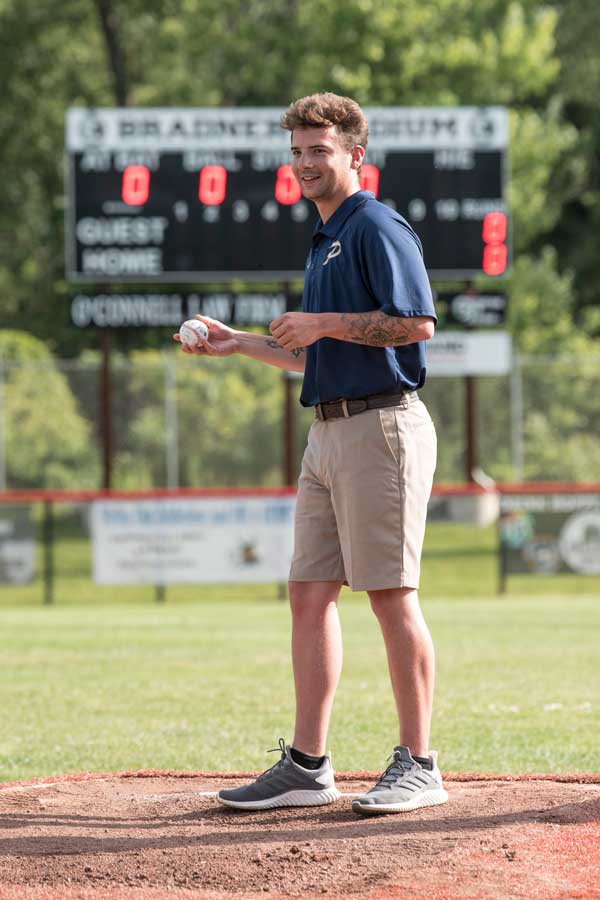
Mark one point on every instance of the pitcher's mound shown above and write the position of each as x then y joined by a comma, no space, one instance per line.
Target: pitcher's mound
164,836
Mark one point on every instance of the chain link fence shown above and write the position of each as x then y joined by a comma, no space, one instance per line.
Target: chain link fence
178,422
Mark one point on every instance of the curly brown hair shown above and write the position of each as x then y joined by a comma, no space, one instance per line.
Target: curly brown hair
324,109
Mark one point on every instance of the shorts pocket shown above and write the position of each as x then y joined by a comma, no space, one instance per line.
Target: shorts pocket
389,426
415,416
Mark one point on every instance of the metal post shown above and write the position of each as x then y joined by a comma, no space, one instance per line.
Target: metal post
289,439
470,415
516,420
502,567
289,432
171,421
289,448
2,426
106,410
470,428
48,542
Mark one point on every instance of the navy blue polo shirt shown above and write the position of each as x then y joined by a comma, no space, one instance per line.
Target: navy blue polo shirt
366,257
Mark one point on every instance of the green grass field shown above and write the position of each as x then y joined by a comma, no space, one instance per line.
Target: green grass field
106,679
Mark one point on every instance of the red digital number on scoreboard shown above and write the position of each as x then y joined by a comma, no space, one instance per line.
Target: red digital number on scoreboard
495,253
287,189
212,185
135,185
369,178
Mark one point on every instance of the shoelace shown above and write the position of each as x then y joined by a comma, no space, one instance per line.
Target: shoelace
395,768
281,749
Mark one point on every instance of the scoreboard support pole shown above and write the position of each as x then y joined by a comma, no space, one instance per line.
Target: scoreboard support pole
289,448
470,427
106,423
289,432
289,441
470,415
289,422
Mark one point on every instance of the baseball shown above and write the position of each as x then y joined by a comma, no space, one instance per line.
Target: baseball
190,331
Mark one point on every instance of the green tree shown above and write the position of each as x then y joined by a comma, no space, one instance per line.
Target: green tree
229,421
575,233
47,441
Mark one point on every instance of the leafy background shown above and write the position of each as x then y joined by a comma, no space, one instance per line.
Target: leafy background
538,58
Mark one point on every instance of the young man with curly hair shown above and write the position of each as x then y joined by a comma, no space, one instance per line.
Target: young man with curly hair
367,471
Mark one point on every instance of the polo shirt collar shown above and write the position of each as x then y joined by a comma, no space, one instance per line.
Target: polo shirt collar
345,209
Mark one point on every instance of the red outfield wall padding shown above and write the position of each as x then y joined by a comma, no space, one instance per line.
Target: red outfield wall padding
31,496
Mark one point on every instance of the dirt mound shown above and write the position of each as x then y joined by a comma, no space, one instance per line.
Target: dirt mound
164,836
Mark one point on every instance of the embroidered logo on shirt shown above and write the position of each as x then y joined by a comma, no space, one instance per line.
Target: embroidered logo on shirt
334,250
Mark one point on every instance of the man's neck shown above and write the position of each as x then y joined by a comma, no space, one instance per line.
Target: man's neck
327,207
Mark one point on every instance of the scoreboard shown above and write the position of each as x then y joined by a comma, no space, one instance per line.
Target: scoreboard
189,195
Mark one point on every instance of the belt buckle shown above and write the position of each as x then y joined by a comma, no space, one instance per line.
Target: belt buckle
345,409
319,412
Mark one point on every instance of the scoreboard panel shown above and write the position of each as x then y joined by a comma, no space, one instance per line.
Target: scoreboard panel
169,195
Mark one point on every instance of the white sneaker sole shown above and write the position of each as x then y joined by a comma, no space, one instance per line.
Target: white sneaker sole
427,798
292,798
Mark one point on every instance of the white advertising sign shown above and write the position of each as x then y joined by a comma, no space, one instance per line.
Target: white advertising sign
192,541
17,545
469,353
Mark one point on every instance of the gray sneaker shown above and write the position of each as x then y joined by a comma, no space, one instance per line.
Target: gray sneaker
405,785
285,784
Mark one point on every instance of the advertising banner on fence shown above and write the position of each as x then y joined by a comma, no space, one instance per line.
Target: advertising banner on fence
550,533
452,353
17,545
205,540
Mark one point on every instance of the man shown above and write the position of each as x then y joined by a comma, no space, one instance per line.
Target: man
368,466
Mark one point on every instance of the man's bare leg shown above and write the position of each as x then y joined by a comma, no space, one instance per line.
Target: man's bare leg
411,662
316,658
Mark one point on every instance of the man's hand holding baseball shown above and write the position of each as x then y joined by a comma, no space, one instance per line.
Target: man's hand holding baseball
295,330
222,340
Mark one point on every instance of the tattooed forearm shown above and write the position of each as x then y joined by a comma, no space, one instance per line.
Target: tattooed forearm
271,342
377,329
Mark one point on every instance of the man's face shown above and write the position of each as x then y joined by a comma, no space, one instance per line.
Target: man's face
323,168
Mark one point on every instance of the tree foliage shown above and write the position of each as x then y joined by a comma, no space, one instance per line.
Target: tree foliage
229,428
46,439
538,58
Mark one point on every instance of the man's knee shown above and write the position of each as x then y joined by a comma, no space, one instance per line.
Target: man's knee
308,598
393,600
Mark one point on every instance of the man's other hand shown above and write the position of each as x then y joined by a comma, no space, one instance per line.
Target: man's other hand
295,330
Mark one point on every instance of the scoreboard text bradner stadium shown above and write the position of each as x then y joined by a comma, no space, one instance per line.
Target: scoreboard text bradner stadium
164,195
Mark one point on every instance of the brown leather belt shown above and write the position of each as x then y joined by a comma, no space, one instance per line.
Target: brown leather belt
339,409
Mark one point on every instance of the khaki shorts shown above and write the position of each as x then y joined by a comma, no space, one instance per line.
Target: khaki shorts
362,498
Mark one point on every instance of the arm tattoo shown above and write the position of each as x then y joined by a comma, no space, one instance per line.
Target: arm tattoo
377,329
271,342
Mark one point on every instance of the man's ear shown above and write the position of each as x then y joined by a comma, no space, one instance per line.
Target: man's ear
358,154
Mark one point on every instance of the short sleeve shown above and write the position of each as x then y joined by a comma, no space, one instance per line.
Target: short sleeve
394,270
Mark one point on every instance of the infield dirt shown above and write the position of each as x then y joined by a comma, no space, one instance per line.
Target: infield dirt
149,836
